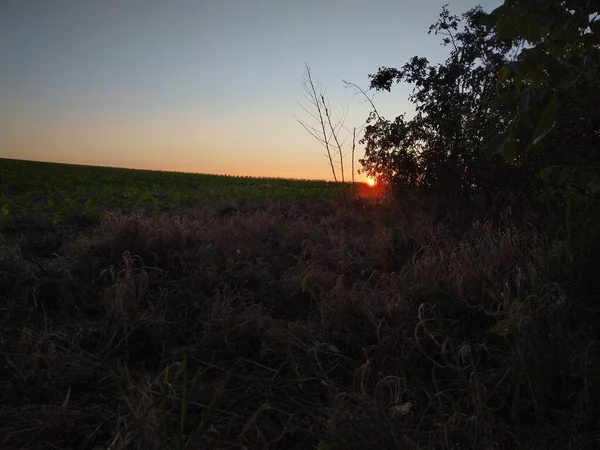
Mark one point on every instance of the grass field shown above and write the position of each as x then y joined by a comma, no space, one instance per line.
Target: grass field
290,320
67,192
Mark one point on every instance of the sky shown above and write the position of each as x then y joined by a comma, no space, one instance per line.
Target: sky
209,86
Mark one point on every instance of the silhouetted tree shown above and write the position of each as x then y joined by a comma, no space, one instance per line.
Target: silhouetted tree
441,147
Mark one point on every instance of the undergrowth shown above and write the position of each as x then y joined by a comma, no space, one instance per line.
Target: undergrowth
297,325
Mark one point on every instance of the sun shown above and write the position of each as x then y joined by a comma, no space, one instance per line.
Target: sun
371,182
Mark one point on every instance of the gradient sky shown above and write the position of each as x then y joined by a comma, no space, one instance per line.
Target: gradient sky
197,85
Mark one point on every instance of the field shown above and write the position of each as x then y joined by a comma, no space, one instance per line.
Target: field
204,312
66,192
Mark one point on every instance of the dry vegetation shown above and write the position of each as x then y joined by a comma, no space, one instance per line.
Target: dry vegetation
296,325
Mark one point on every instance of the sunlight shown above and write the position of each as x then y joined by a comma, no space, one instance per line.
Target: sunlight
371,182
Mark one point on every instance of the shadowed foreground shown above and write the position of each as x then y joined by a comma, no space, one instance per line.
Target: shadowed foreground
293,325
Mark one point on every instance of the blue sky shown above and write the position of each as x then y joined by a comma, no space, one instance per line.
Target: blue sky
205,86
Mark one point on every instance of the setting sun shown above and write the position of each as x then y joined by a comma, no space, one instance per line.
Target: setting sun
371,182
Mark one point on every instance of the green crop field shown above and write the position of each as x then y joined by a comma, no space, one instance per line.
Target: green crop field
66,192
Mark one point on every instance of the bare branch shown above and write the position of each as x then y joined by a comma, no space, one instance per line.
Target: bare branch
335,137
329,125
364,94
353,147
320,134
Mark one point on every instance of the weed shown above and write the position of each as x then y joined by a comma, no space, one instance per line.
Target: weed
296,324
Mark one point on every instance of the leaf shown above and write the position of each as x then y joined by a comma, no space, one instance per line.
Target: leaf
207,415
505,73
594,57
6,206
563,21
581,19
507,98
401,410
595,26
504,327
532,64
554,48
495,145
542,19
505,28
509,150
527,27
503,144
532,31
546,123
489,20
518,79
524,100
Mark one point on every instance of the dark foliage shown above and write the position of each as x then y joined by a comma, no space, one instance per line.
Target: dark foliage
511,112
296,325
441,147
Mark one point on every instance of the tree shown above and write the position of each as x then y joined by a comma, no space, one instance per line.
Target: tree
552,90
325,131
440,148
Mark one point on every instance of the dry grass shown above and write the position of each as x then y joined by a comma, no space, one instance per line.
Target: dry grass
292,325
